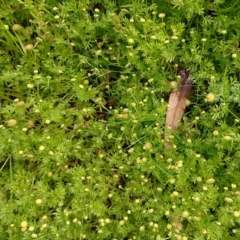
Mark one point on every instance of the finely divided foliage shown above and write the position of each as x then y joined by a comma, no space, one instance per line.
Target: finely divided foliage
84,90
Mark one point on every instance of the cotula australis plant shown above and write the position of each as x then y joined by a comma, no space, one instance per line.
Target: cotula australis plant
84,90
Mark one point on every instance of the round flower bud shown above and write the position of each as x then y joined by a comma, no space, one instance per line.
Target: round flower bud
29,47
228,200
38,201
236,214
147,146
41,148
86,82
30,85
24,224
30,123
142,228
20,104
175,194
215,132
210,97
30,229
169,226
161,15
172,181
130,41
173,84
199,179
98,52
121,222
16,27
12,122
227,138
187,102
185,214
210,181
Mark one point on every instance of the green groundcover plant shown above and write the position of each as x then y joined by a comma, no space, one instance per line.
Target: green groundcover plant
84,90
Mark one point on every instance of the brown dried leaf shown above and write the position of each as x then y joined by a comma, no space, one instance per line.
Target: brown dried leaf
177,102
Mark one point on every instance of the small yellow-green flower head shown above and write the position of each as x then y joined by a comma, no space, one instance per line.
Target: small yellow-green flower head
130,41
161,15
210,97
12,122
227,138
